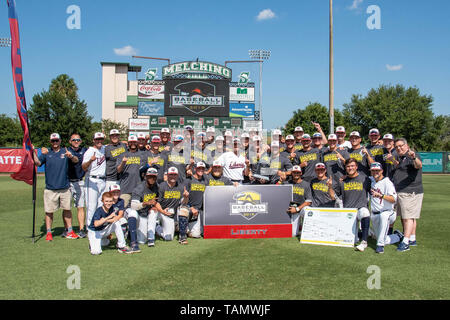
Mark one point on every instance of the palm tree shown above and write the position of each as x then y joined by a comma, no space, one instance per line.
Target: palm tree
65,85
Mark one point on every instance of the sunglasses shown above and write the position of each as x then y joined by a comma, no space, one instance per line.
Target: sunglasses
56,140
76,140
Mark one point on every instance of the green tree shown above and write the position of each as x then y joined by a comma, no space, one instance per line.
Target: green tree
66,86
108,124
397,110
11,133
312,112
444,137
59,110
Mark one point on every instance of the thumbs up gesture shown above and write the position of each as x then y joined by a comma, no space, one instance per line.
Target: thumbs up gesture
68,154
330,182
185,193
124,159
44,150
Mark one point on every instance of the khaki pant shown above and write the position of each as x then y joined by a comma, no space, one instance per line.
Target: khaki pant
55,199
409,205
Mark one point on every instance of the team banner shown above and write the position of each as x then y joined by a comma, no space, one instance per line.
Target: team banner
27,168
432,161
196,97
329,226
11,159
247,211
150,108
243,110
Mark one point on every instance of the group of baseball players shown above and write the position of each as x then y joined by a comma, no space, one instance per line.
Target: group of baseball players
149,188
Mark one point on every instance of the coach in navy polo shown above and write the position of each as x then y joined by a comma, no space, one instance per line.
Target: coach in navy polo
57,187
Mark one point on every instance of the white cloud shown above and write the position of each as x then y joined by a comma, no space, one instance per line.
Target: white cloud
266,14
355,4
394,68
125,51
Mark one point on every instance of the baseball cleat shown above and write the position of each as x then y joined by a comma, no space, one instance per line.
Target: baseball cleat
413,243
379,249
64,234
402,247
72,235
135,249
82,234
125,249
183,241
49,236
151,244
362,246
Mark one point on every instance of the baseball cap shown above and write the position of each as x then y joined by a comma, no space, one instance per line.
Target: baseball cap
290,137
374,131
219,138
165,130
200,164
355,133
296,168
99,135
253,129
188,127
245,135
210,129
340,129
276,132
55,136
228,134
217,163
172,170
275,144
376,166
306,137
320,165
298,129
201,134
236,140
388,136
132,138
151,171
178,137
332,136
114,131
317,135
256,138
141,135
156,139
114,187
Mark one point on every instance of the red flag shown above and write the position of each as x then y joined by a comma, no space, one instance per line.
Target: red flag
26,171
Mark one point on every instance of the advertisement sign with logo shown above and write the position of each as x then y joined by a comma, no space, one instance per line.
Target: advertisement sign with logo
247,124
244,77
196,97
242,91
329,226
138,124
151,74
243,110
150,108
432,161
11,159
151,89
247,211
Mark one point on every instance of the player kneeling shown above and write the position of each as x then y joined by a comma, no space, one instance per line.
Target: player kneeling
103,223
142,215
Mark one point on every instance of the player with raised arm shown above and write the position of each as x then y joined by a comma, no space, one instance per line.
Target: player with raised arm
302,197
323,188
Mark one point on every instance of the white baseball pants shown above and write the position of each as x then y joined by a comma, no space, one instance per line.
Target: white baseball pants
95,237
94,190
196,227
380,223
296,220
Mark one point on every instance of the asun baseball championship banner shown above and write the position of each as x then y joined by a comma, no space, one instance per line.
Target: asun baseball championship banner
329,226
27,168
247,211
11,159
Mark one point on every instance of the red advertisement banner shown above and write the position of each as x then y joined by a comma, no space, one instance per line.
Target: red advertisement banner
248,231
11,160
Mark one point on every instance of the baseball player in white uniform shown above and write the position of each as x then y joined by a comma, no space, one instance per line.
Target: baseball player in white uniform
382,200
95,166
235,166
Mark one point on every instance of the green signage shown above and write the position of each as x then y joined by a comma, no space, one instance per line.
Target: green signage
432,161
196,70
158,122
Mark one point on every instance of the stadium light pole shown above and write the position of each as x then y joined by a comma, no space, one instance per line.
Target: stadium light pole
5,42
331,73
260,55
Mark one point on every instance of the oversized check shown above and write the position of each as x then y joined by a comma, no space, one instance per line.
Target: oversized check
329,226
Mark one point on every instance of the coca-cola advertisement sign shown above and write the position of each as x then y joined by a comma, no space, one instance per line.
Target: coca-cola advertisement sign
151,89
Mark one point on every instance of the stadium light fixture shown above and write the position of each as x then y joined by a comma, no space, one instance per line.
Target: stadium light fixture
5,42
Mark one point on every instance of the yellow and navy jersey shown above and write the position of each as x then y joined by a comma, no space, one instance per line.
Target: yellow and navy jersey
355,191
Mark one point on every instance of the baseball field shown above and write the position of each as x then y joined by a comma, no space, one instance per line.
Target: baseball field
219,269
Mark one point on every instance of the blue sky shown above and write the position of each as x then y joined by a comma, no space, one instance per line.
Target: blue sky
413,40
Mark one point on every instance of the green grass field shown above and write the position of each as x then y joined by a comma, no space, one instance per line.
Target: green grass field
219,269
